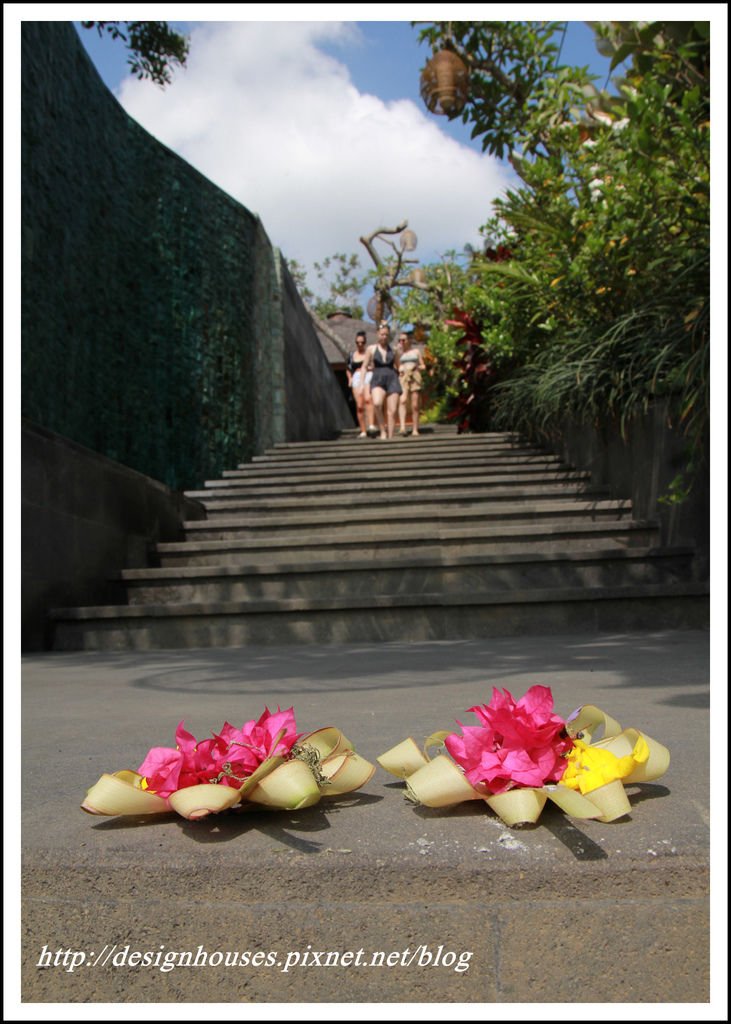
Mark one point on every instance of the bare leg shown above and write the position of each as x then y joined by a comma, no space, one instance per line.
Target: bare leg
414,412
402,413
359,407
391,407
378,395
368,410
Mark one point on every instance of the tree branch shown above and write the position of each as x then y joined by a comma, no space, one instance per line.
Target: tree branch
367,241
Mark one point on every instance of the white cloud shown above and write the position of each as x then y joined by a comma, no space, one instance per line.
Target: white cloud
278,124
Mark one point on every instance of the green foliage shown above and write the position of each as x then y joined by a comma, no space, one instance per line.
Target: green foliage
340,285
518,90
428,307
678,491
442,289
299,276
599,303
436,411
339,274
154,47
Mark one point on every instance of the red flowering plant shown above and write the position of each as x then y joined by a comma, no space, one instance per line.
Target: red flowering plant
476,374
499,254
265,762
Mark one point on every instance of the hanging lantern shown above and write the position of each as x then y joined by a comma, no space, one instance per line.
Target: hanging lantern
408,241
418,276
379,307
445,84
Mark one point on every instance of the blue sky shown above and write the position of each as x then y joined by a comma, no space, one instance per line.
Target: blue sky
318,126
385,61
320,129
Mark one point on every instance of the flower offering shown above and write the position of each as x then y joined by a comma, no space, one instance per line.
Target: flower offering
521,754
265,762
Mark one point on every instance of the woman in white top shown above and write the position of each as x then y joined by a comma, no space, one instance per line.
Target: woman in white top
357,381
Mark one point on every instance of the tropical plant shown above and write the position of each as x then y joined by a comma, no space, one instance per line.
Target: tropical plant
598,303
339,288
518,91
428,308
155,48
476,373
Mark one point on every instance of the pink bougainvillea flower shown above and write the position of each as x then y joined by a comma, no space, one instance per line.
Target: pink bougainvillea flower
191,763
274,734
227,758
161,770
519,743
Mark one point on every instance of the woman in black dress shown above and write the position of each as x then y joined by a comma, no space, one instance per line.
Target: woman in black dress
384,386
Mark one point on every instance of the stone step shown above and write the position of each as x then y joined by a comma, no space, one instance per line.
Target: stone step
409,574
304,470
447,438
438,538
372,524
354,471
397,455
223,503
427,437
475,539
372,618
387,481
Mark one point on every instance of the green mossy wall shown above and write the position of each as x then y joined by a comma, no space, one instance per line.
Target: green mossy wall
146,290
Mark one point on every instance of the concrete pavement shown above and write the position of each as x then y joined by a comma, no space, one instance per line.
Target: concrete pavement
560,912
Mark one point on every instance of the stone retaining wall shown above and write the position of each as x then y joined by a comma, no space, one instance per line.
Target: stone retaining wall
642,466
85,517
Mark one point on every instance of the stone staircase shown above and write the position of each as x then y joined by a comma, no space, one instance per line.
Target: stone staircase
437,538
